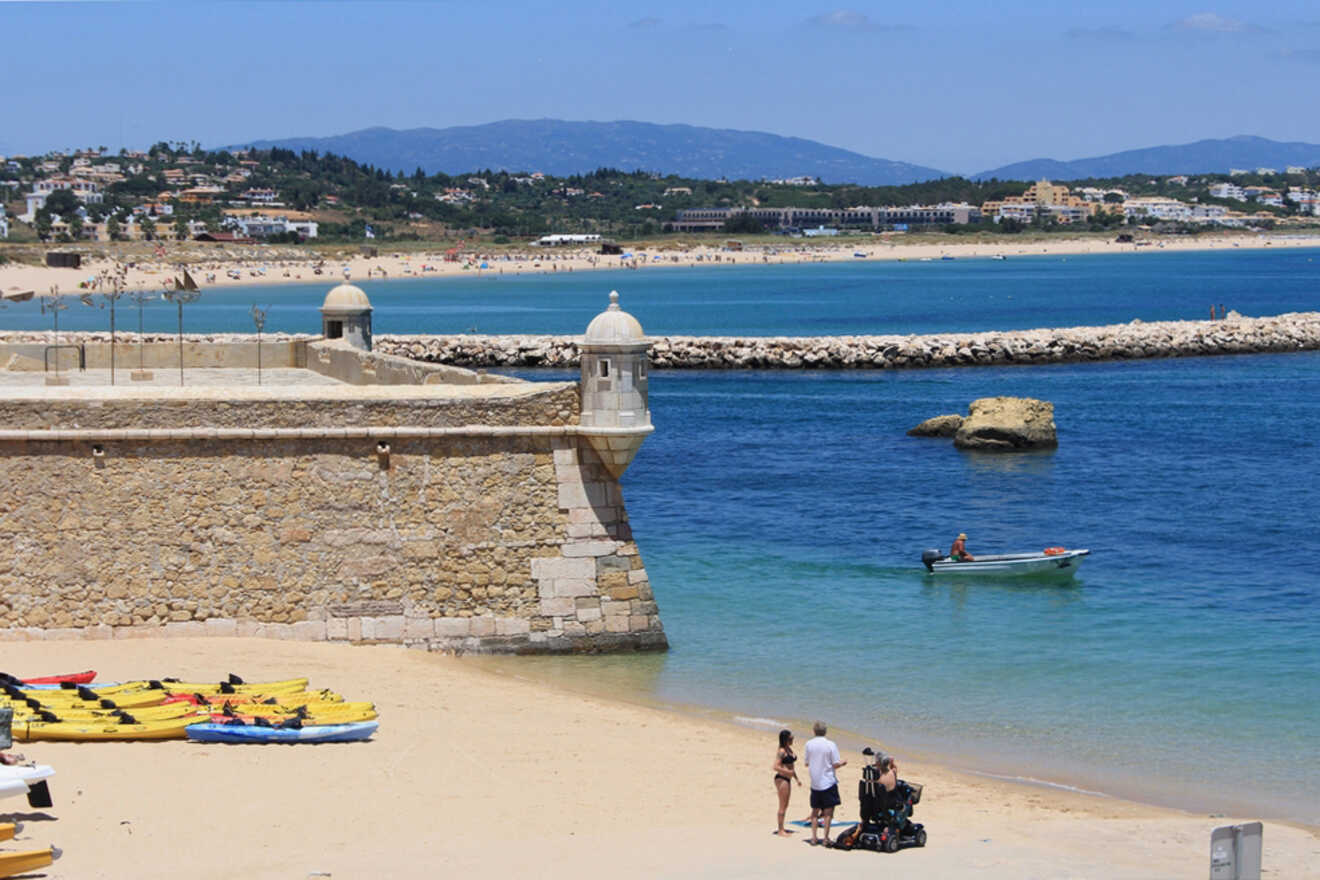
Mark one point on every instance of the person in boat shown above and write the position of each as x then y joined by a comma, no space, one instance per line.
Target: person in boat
958,552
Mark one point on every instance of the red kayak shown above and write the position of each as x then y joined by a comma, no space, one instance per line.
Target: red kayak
73,678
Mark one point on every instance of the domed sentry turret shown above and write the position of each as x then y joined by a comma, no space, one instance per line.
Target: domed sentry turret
346,315
615,417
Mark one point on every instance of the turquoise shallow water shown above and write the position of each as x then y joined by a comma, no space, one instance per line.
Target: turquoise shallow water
782,516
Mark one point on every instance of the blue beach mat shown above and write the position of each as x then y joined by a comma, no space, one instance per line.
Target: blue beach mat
837,823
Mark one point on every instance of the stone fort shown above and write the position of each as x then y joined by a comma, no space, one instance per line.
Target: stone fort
312,488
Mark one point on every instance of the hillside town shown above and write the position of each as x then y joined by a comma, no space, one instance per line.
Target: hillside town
177,193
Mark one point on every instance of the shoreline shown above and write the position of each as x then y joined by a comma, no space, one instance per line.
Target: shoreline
456,780
212,266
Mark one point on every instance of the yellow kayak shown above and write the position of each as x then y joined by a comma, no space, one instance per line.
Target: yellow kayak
12,863
335,713
9,829
108,716
299,698
176,687
92,731
285,710
122,699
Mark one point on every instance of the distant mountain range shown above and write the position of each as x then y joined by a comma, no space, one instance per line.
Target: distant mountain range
562,148
1201,157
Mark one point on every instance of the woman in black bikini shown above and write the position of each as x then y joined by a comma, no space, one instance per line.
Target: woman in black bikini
785,775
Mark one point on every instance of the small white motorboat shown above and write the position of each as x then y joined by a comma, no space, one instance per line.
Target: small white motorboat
1050,562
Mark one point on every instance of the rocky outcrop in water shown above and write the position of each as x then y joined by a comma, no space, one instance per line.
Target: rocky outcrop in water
1007,424
940,426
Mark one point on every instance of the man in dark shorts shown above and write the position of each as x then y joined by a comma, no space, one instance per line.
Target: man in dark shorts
822,757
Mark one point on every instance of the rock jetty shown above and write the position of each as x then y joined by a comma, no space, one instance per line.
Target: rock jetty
1234,335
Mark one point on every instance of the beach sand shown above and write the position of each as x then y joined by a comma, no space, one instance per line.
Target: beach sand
498,775
259,266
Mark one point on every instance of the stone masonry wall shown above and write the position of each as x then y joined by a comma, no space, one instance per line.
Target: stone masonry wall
509,543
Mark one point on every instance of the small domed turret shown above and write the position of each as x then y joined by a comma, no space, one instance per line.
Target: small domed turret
346,314
615,417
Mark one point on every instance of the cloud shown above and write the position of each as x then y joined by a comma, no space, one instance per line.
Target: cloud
851,19
645,24
1100,35
1213,23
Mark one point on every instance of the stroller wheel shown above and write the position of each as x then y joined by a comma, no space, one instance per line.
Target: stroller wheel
920,837
891,843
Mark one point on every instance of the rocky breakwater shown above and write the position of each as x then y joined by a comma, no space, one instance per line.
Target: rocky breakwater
1298,331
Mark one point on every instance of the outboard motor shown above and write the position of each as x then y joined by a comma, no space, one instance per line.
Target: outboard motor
929,558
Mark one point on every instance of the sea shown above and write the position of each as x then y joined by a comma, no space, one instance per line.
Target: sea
782,516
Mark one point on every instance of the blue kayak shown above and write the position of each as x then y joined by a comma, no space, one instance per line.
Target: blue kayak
312,733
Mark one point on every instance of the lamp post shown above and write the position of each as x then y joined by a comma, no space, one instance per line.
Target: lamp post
181,298
117,280
56,306
259,319
141,374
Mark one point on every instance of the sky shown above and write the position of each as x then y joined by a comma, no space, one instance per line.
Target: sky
960,86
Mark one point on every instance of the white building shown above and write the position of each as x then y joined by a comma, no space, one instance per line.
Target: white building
563,238
1208,213
261,226
1228,191
1295,169
1158,208
1264,171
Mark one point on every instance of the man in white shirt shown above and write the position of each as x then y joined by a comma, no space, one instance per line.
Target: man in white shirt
822,757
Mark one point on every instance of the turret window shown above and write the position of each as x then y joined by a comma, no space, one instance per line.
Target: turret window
604,368
641,369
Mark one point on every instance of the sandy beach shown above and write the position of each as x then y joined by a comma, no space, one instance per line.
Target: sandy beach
215,267
498,774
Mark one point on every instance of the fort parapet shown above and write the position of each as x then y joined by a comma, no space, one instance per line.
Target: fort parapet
352,496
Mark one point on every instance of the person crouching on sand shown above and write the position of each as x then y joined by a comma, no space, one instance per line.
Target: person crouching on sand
822,760
785,776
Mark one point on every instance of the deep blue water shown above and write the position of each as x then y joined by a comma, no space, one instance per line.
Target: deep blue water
827,298
782,516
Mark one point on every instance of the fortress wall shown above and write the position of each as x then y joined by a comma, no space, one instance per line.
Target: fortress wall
513,541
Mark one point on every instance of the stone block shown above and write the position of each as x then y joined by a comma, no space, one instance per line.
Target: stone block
383,629
220,626
636,576
573,587
573,628
355,629
566,456
616,624
99,631
585,614
421,550
418,628
613,563
336,629
638,622
512,626
482,626
615,609
622,594
309,630
577,549
64,634
13,635
537,638
453,627
248,628
573,495
282,631
135,632
557,607
559,567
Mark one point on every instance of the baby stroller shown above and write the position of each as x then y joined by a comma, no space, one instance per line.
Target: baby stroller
886,816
